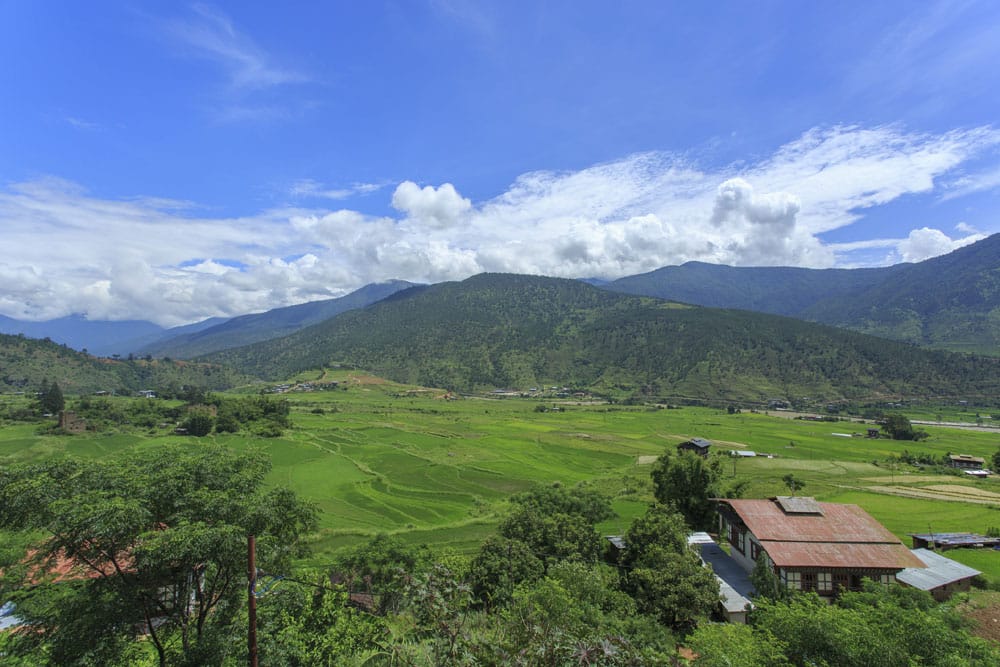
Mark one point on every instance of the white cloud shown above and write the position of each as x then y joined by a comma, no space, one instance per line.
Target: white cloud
440,207
167,261
925,243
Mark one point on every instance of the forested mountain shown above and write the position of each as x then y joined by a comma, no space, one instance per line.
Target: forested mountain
26,362
275,323
950,302
520,331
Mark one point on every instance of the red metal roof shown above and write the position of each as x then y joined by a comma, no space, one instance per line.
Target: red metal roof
842,536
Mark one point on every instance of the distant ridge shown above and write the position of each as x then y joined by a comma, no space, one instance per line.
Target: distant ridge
949,302
275,323
102,338
501,330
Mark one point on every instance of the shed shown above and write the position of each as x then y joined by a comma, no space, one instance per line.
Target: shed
942,577
735,588
966,461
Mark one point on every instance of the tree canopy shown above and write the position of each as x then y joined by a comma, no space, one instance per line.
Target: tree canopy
153,543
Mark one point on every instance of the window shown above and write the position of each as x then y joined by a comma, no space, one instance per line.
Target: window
824,581
754,550
808,581
741,541
886,579
792,580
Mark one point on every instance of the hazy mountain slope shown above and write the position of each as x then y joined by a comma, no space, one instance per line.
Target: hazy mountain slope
248,329
26,362
777,290
951,301
102,338
505,330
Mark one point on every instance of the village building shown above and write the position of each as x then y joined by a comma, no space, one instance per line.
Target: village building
813,546
966,462
699,446
945,541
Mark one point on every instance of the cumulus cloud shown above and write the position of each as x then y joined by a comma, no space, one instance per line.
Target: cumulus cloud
167,261
439,207
925,243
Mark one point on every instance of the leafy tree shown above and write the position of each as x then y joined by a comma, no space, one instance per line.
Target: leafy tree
51,400
664,576
499,567
439,604
556,499
379,567
157,544
301,626
877,626
765,581
688,483
735,645
793,483
898,427
996,461
199,422
554,537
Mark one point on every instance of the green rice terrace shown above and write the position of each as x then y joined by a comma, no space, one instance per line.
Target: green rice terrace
432,468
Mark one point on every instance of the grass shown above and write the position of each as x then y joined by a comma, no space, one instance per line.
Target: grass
378,457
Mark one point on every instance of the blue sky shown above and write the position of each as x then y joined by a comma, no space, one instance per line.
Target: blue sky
171,161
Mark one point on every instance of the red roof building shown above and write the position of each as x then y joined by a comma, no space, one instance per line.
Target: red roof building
813,546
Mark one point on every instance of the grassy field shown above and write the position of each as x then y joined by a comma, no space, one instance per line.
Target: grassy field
380,457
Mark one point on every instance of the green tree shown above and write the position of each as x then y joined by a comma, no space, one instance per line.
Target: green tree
300,626
662,574
378,567
898,427
793,483
499,567
554,537
735,645
199,422
157,542
688,483
51,400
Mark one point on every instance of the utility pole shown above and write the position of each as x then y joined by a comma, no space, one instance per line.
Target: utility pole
251,599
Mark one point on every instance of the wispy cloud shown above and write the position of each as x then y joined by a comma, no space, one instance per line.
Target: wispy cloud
166,260
212,35
81,124
251,73
308,188
972,183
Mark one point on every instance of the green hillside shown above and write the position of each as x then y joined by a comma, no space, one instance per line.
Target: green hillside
521,331
26,362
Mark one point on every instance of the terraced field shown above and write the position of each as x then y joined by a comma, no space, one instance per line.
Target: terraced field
380,457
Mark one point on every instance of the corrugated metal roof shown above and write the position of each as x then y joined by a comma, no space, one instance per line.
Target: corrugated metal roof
841,555
734,583
939,571
843,536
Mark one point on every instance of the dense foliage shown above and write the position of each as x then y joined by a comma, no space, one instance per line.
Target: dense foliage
154,544
523,331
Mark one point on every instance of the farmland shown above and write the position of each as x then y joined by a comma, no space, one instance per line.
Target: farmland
383,457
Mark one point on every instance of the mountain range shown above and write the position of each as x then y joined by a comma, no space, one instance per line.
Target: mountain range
500,330
949,302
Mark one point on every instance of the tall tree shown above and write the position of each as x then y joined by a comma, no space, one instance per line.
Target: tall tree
688,483
51,400
152,544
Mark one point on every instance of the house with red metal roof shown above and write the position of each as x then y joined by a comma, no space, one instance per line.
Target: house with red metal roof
813,546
